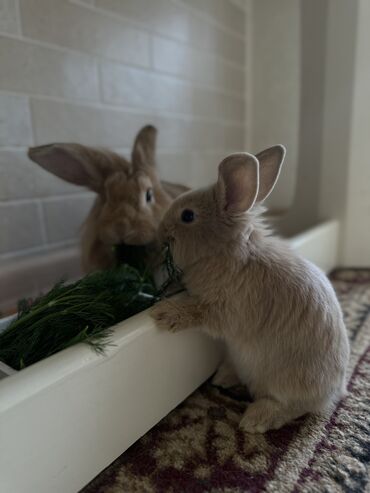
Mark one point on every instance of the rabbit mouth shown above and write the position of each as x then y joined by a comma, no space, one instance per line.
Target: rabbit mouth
133,255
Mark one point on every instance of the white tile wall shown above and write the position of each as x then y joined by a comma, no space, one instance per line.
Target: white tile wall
95,71
28,231
9,19
34,69
15,120
74,26
64,216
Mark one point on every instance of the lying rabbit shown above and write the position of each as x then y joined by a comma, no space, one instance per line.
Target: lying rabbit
277,312
131,200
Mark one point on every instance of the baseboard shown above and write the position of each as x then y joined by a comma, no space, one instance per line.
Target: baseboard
319,244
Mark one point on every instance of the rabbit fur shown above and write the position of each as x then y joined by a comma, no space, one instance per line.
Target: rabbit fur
121,213
276,311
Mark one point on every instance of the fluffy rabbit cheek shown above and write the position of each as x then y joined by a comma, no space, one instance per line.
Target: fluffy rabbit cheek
182,248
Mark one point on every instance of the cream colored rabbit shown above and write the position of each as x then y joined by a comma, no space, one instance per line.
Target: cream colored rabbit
277,312
131,199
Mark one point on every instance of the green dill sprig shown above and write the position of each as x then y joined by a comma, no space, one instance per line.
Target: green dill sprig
84,311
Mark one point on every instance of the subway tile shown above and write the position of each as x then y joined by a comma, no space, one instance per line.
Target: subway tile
178,134
204,168
179,22
65,216
135,87
21,178
65,122
20,227
9,22
177,59
221,11
37,69
215,40
160,15
87,125
138,88
218,106
15,121
77,27
234,138
174,58
102,127
175,167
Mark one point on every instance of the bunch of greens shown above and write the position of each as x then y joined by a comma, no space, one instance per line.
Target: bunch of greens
83,311
134,255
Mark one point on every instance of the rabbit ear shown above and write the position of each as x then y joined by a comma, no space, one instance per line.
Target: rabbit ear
237,185
270,161
76,163
143,152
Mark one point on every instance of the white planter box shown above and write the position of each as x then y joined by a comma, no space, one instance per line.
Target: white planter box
67,417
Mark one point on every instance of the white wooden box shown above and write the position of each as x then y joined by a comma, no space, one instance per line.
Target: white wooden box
67,417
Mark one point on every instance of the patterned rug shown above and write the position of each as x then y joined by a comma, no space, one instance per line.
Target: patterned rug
199,448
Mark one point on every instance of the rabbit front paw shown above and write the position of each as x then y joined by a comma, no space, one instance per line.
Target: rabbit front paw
168,315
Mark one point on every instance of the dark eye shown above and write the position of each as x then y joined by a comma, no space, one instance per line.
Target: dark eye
149,195
187,216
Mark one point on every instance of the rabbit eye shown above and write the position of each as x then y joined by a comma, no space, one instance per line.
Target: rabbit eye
187,216
149,196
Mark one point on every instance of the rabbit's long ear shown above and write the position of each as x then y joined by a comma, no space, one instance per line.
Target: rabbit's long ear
237,185
270,161
76,163
143,152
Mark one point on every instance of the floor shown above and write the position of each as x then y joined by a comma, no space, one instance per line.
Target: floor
199,448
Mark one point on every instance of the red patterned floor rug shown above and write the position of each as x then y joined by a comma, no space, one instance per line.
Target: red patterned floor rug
199,448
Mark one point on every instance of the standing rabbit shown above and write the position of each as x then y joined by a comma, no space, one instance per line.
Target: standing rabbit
277,312
131,199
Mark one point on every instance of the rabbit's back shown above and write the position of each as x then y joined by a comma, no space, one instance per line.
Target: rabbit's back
293,326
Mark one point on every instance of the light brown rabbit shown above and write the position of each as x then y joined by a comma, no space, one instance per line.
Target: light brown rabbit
277,312
131,199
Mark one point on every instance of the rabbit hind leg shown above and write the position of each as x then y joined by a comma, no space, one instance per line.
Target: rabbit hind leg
268,414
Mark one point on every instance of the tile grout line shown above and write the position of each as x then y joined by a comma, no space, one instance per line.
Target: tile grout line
124,109
48,247
19,17
46,199
119,150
